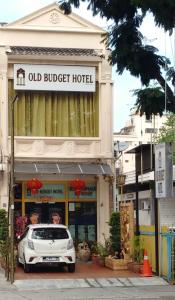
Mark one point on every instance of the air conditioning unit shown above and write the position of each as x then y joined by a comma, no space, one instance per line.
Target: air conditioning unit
145,205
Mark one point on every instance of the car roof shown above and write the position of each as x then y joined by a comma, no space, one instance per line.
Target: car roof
32,226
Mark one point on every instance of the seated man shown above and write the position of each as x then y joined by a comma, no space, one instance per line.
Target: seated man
34,218
56,219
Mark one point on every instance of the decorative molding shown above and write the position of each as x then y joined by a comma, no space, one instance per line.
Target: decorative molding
69,148
55,148
39,147
83,148
54,18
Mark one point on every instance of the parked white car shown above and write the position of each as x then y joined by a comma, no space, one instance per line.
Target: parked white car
46,244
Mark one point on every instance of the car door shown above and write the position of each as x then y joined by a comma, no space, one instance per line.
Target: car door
21,244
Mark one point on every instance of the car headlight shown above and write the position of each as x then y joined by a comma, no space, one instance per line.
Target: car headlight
70,244
31,245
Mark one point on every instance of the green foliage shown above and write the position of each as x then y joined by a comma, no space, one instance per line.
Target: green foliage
138,250
4,241
167,133
129,49
150,101
3,225
115,237
101,249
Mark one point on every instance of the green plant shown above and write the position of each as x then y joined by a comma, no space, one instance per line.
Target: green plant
115,237
101,250
3,225
4,240
138,249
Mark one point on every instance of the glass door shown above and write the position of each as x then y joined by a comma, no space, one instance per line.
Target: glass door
45,210
83,221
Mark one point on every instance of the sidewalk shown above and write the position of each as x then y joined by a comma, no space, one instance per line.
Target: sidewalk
4,284
86,276
87,283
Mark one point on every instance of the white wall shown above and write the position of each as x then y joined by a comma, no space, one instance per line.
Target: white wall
167,211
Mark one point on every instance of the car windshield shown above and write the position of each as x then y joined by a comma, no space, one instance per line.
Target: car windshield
49,234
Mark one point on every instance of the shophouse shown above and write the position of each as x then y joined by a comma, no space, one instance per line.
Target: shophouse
58,67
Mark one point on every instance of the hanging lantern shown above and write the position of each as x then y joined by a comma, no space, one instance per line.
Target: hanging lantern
34,185
77,185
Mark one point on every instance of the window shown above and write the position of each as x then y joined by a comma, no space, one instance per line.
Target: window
56,114
150,130
148,119
50,234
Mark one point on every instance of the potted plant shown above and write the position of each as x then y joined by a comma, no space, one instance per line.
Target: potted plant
94,252
83,252
115,260
115,236
137,255
102,252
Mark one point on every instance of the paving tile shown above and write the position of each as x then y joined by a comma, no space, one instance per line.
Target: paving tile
92,282
148,281
114,282
125,281
103,282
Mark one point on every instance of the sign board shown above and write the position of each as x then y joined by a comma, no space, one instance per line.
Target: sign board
163,170
89,192
48,191
54,78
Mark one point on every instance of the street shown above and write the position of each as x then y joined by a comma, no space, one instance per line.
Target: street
123,293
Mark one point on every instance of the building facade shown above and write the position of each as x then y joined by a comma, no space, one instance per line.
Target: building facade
138,130
58,67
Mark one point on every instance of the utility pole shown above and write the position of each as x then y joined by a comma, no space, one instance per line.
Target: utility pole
12,184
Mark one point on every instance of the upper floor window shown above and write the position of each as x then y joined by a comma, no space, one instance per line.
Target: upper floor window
56,114
148,119
150,130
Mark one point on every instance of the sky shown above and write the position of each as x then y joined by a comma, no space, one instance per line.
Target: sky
123,100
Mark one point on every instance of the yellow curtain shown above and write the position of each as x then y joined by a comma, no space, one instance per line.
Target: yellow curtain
61,114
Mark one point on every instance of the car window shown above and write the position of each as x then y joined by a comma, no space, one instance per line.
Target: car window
50,234
24,234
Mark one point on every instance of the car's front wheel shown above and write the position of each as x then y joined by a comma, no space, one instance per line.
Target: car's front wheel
71,268
26,267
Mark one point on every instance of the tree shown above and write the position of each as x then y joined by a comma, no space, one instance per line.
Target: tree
129,51
167,132
115,237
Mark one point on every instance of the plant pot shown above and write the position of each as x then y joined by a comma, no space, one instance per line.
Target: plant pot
101,261
135,267
94,258
115,264
84,252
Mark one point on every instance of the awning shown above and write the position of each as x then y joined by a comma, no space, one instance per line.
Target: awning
62,168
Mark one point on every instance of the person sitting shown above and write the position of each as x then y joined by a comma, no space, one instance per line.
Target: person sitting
34,218
56,219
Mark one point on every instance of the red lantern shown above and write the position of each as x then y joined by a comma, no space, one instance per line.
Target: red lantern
77,185
34,185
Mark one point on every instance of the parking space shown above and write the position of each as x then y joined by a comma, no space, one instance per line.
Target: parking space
83,270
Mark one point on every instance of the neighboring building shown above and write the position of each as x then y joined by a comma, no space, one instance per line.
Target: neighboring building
58,67
137,131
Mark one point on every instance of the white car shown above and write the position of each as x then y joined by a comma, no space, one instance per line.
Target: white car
46,244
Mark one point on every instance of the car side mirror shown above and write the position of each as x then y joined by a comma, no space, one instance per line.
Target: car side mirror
18,238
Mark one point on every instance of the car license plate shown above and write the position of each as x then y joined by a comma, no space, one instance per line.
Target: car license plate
51,258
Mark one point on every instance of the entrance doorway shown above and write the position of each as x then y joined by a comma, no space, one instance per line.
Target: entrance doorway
83,221
45,210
